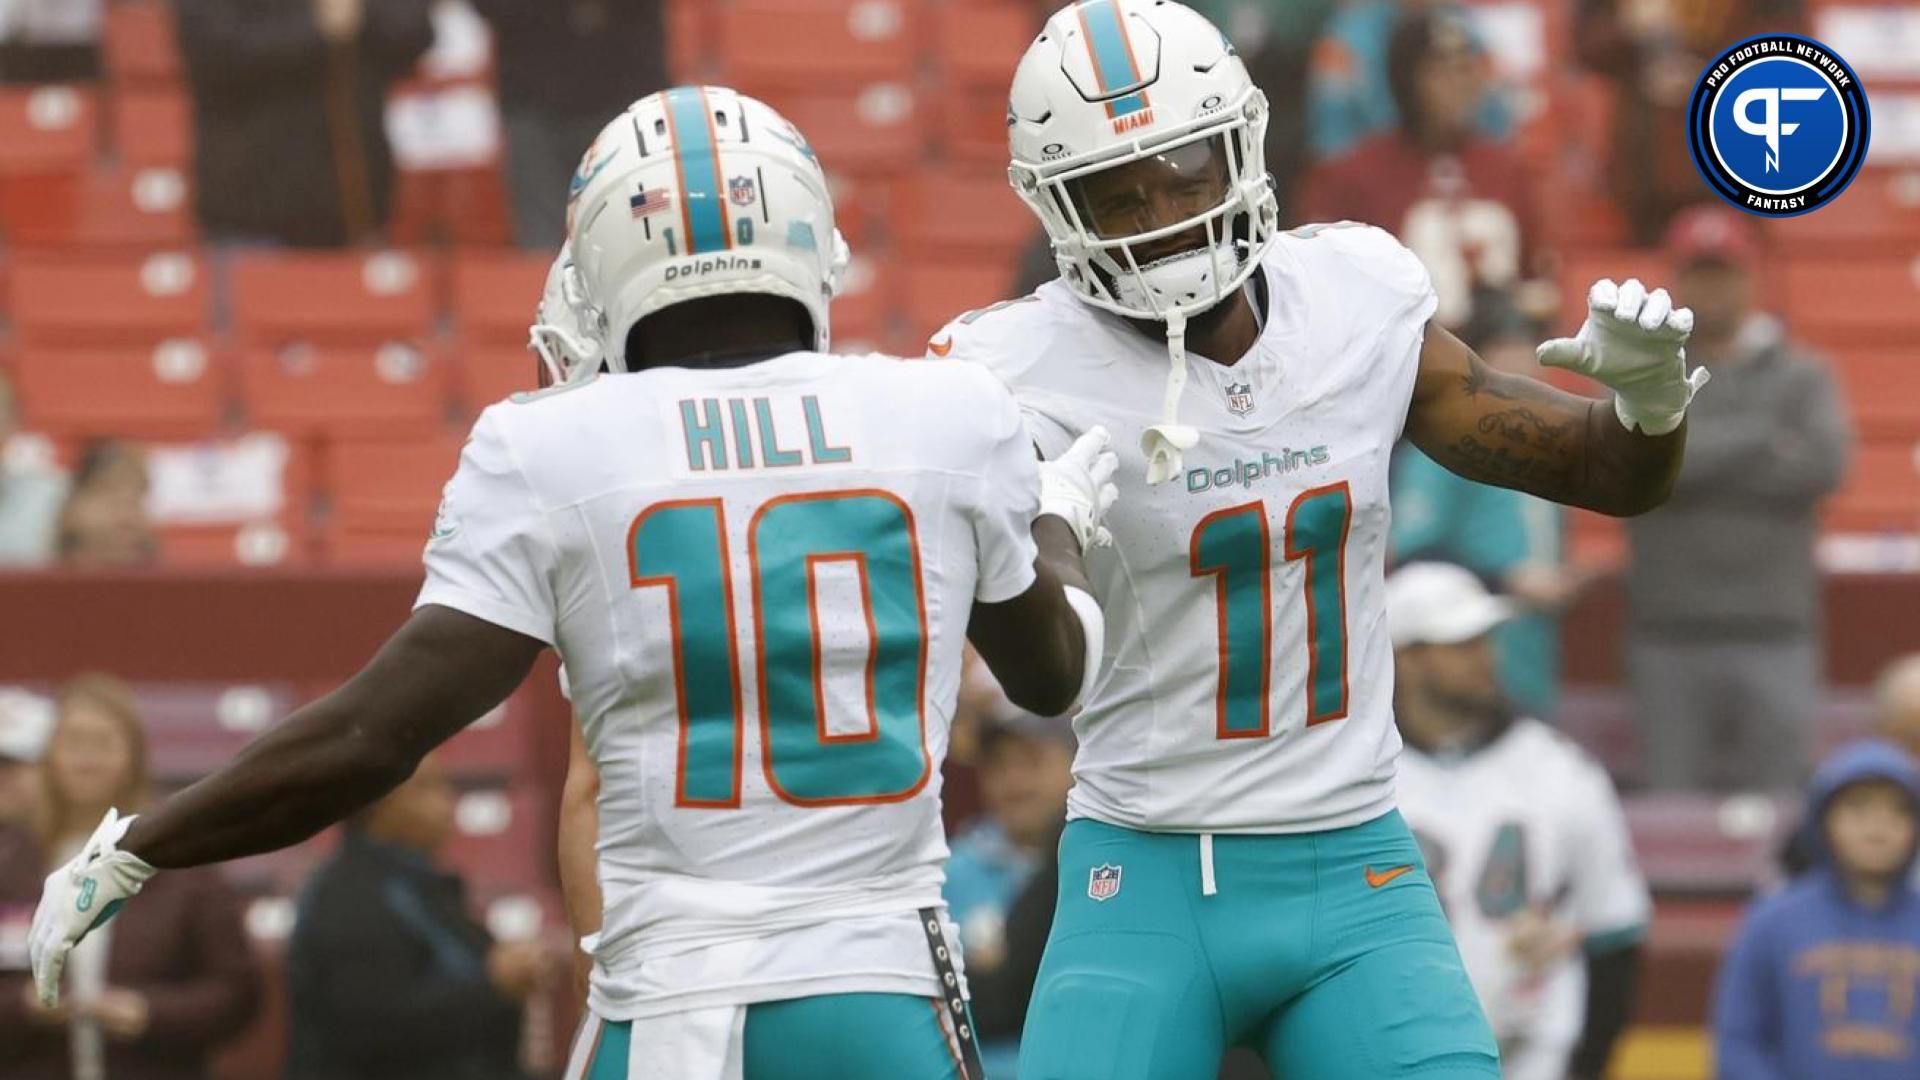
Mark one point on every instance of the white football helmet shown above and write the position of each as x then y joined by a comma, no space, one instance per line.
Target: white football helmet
699,191
564,333
1139,141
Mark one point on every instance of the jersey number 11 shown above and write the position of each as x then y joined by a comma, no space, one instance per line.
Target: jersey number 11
1233,547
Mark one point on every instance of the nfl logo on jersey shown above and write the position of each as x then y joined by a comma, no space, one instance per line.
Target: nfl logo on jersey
1103,883
1240,398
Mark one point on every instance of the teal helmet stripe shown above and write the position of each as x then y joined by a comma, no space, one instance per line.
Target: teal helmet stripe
697,158
1113,60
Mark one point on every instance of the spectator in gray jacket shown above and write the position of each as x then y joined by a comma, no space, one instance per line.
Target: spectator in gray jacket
1724,620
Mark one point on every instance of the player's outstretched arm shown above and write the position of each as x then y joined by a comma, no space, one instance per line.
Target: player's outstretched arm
441,671
1617,457
1045,643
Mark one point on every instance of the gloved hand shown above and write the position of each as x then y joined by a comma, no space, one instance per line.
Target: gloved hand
80,896
1635,343
1078,487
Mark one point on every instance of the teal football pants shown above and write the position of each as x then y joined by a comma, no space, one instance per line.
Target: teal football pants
829,1037
1325,952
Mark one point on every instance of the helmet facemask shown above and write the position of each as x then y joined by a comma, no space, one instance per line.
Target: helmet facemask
1172,226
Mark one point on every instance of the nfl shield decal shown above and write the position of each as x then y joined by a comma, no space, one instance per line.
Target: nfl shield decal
1240,398
742,191
1103,882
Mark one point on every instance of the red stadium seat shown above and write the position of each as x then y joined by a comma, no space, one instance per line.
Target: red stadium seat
978,45
691,32
495,294
1860,300
1879,386
499,744
173,390
245,501
499,835
47,129
141,210
873,131
484,374
153,127
1879,212
936,292
973,125
805,44
389,389
195,727
862,313
950,213
140,44
69,299
1882,491
384,493
332,297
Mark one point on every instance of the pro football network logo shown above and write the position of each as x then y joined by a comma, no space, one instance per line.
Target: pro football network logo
1778,125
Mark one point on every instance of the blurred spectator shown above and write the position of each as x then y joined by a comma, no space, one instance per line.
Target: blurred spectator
26,721
49,41
1723,597
1026,769
1511,540
151,995
1275,38
1820,980
1459,200
289,114
1523,836
31,492
391,976
1349,83
104,522
1896,703
1655,50
566,68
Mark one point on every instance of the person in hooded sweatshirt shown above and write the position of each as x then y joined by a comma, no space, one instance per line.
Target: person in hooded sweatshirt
1823,980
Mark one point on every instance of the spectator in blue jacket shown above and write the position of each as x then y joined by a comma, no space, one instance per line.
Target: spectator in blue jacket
1823,980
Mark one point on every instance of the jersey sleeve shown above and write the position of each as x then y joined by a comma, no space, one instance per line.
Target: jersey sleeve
1609,900
1007,497
1390,289
490,553
1001,339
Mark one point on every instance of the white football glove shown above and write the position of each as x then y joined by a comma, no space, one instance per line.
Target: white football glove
80,896
1635,343
1078,487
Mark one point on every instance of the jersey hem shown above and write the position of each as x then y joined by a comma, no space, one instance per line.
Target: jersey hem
808,986
1370,812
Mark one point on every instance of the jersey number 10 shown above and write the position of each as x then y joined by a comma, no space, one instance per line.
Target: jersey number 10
1233,547
682,547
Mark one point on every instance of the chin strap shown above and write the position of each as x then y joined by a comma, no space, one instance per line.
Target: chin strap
1164,442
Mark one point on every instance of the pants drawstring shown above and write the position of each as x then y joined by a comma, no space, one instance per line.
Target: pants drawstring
1207,886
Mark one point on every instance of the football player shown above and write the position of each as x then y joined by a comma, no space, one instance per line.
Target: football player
1235,871
1522,834
759,564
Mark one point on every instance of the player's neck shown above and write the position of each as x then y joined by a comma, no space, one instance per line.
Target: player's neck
1223,333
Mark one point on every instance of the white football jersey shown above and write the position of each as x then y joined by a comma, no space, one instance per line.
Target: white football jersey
1247,681
759,580
1527,821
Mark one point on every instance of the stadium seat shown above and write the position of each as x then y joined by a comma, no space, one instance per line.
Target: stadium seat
140,210
487,373
245,501
140,44
973,126
47,129
950,213
500,835
495,293
1847,301
1878,213
691,32
1703,844
176,389
1882,490
391,389
282,296
153,127
1880,389
71,299
770,45
194,727
499,745
863,310
383,495
978,44
938,291
872,131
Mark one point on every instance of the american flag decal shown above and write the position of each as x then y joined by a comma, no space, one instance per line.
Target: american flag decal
650,201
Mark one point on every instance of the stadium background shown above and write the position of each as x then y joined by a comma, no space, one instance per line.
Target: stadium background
307,406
